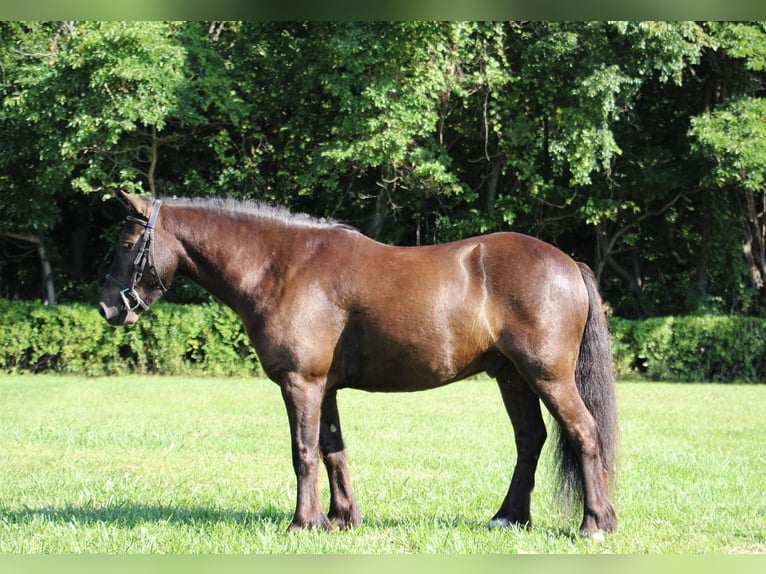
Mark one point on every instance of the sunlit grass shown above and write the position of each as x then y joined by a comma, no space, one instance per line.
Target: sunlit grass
145,465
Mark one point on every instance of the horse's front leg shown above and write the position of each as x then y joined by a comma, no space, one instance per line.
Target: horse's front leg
344,510
303,399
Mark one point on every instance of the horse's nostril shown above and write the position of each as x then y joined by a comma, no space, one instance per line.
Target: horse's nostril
103,310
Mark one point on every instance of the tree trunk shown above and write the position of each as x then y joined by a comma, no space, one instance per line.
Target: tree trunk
754,226
49,297
703,249
375,227
490,196
387,185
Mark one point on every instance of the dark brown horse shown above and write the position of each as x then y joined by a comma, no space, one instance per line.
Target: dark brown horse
327,308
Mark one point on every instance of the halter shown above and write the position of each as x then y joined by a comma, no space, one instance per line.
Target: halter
130,297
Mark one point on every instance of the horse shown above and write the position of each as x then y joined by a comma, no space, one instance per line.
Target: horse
328,308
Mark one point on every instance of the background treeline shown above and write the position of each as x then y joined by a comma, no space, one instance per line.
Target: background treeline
638,147
208,339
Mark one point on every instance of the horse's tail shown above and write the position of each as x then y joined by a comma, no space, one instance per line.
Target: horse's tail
595,382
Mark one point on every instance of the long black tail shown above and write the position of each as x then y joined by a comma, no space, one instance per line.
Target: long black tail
595,383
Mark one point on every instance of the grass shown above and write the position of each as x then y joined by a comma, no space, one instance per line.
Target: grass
171,465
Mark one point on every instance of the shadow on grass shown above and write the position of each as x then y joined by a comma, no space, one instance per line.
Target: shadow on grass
130,514
462,523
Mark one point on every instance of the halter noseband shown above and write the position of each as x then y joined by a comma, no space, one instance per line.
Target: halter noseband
130,297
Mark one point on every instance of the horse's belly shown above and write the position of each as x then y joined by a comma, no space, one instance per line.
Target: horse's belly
417,337
412,369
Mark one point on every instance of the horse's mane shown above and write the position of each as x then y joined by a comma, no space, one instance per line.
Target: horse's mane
255,209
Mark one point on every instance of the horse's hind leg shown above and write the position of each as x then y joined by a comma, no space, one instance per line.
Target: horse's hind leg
523,407
564,402
344,510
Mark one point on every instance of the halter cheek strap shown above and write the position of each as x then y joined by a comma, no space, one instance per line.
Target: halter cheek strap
130,297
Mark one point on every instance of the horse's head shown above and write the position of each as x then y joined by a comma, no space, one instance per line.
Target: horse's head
137,277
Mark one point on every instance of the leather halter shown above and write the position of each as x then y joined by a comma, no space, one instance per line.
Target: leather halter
130,297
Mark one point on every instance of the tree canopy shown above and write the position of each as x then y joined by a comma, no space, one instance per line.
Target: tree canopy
637,147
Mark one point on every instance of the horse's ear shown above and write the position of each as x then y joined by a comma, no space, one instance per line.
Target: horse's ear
139,205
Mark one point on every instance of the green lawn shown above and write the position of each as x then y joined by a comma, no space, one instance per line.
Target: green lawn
172,465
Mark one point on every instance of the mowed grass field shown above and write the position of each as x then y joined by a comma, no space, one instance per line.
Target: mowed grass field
202,465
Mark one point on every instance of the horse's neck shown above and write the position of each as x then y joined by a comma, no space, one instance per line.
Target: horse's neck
227,256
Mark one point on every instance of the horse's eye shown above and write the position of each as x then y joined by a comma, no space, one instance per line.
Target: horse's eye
128,245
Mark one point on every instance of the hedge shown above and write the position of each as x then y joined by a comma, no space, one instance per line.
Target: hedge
209,339
169,339
696,348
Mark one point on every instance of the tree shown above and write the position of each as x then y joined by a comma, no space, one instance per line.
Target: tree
635,146
99,106
731,132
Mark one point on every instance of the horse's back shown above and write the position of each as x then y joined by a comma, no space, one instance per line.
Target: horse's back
419,317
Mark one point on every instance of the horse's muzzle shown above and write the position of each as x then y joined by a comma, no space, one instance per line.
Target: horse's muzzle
117,315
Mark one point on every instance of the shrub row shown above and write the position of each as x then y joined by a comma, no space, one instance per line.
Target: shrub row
170,339
696,348
185,339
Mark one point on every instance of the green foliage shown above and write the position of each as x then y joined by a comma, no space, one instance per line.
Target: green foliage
734,137
90,87
611,139
701,348
170,339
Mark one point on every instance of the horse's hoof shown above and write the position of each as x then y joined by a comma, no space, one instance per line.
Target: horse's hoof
346,522
321,522
498,523
345,517
595,536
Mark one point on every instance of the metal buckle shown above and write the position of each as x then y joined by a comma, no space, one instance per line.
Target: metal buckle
126,294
